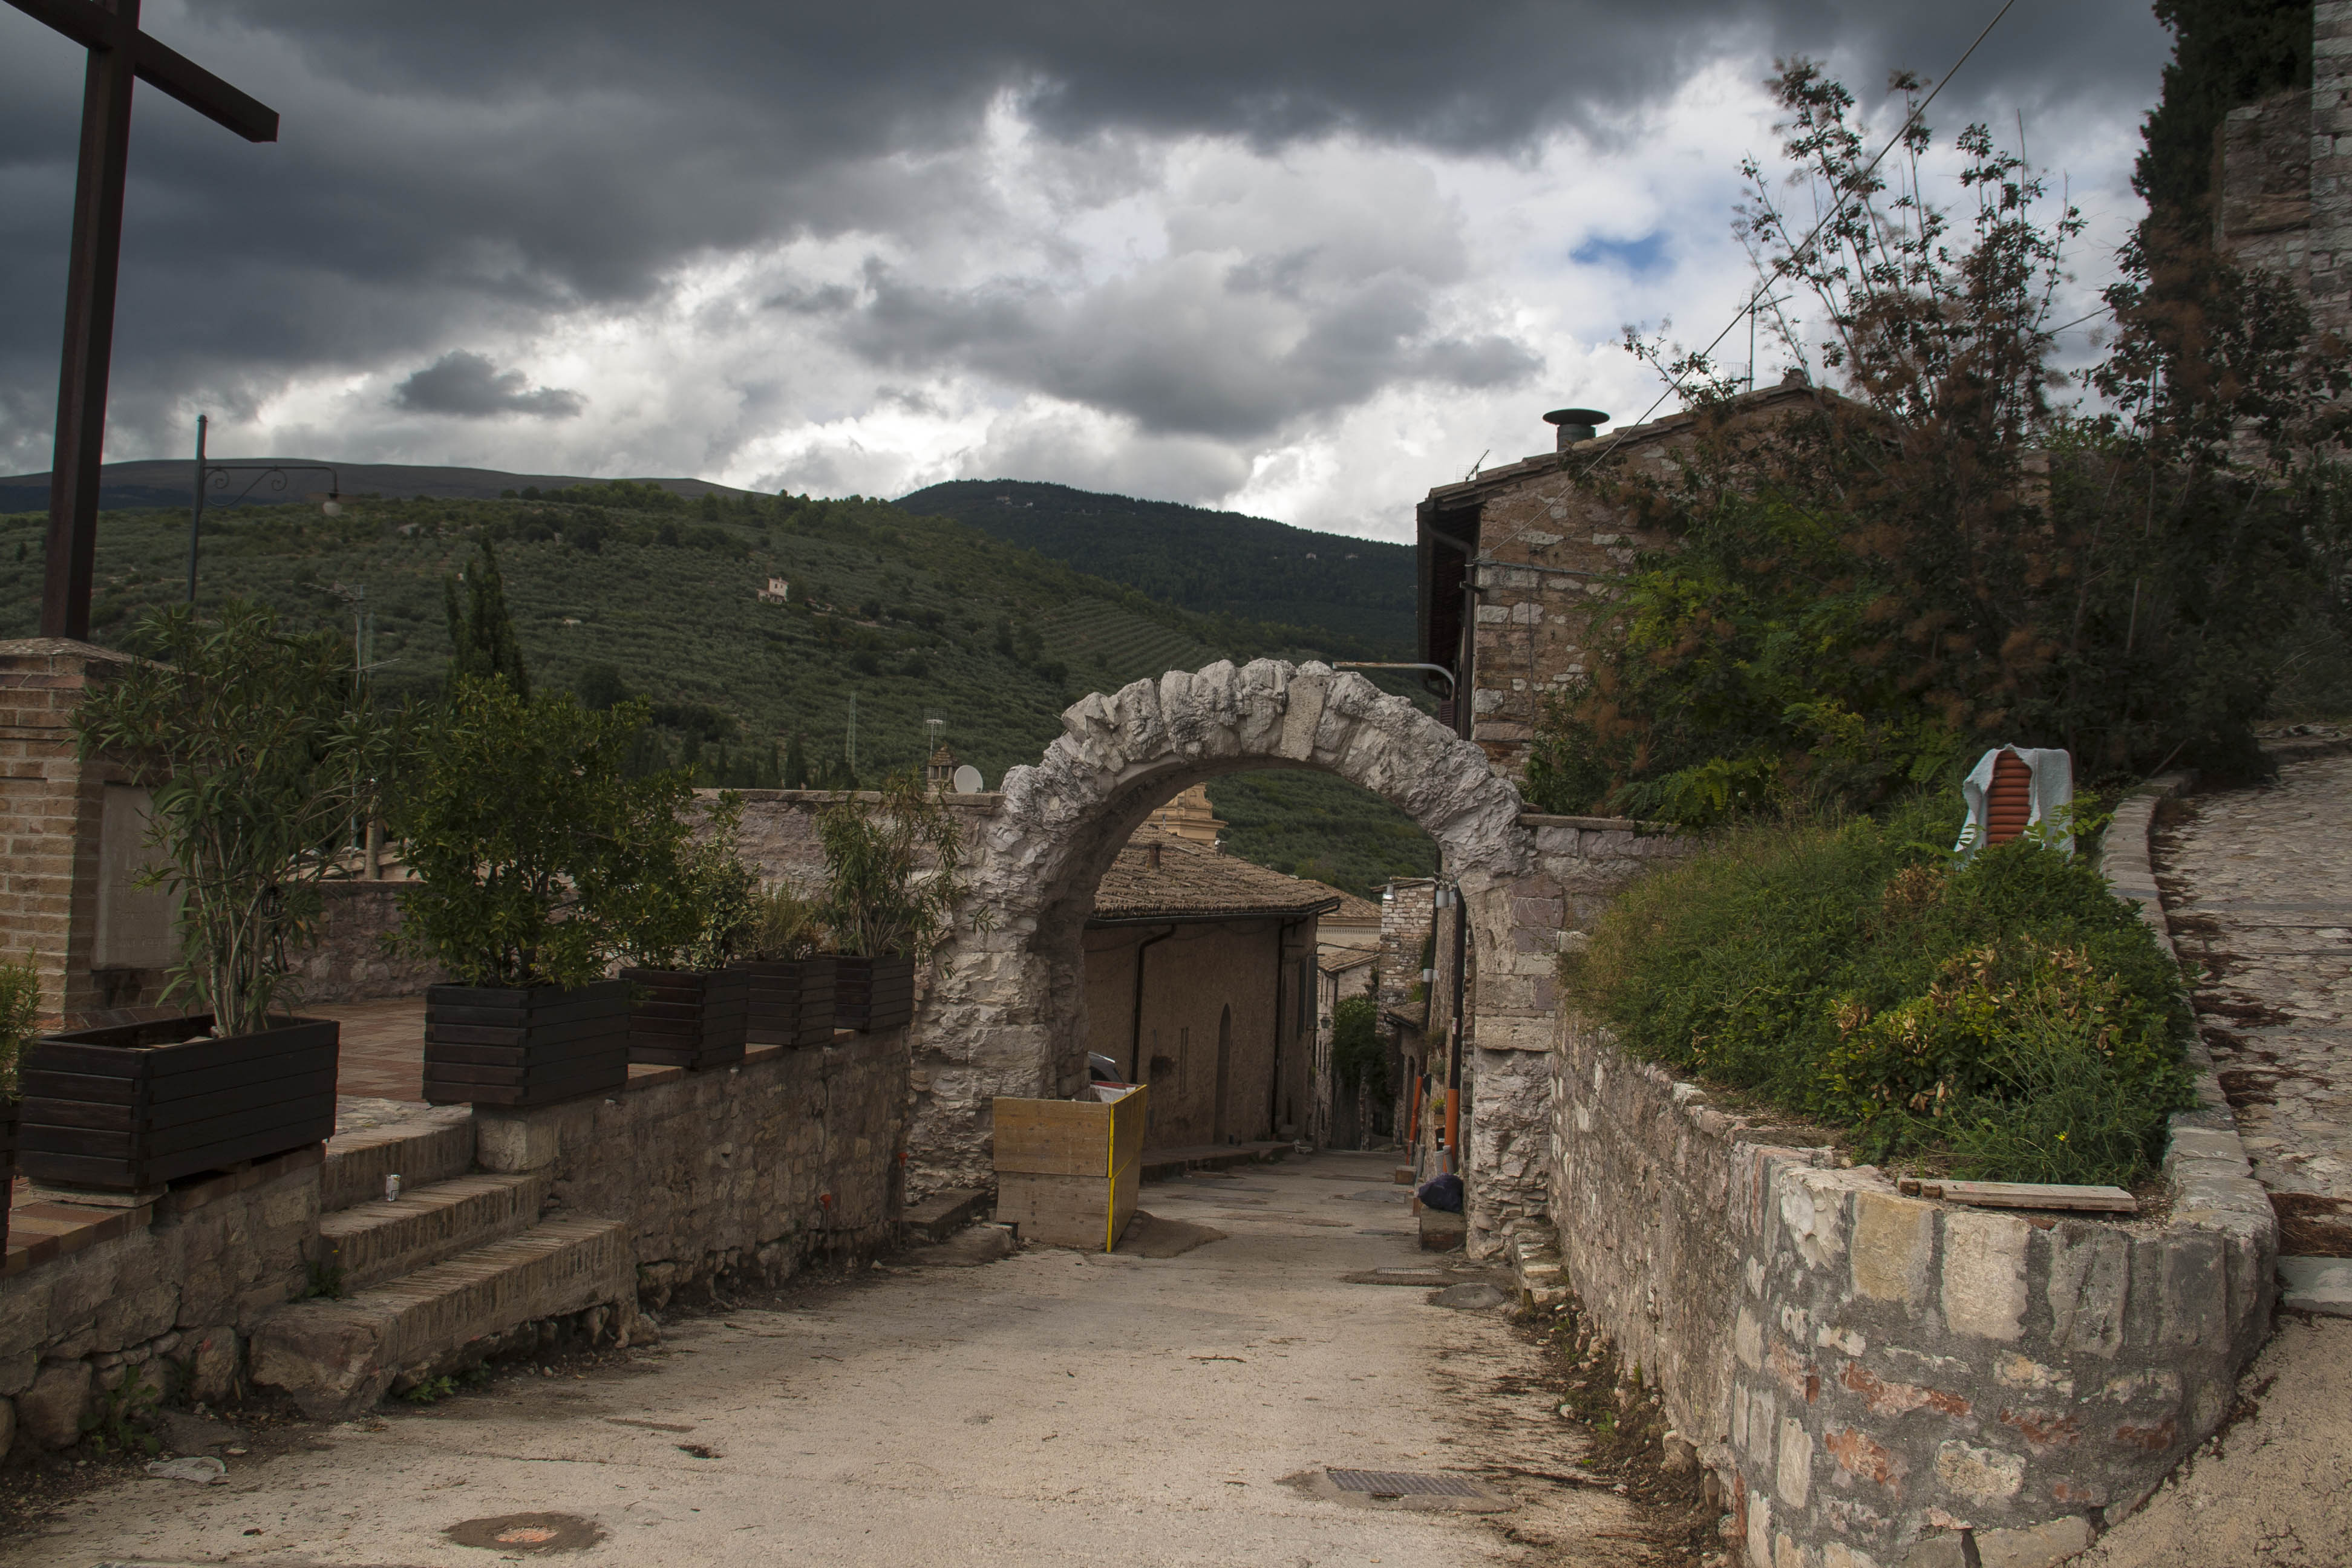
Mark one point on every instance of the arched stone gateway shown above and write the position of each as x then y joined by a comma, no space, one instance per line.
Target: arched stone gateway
1006,1016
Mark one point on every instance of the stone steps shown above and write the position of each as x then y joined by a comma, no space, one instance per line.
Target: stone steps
370,1243
337,1357
943,1214
432,1147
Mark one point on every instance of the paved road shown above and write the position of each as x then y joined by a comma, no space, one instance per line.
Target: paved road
2259,889
1050,1408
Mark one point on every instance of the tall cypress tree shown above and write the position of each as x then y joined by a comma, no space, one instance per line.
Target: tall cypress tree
482,637
796,773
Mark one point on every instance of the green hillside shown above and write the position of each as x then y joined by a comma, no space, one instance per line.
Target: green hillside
625,587
1212,563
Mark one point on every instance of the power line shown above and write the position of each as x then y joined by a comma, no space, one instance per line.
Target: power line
1675,383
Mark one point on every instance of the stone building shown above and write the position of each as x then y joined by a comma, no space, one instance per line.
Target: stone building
1201,981
1189,815
1347,959
1517,562
2282,178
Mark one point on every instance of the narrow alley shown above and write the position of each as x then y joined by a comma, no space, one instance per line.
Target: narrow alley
1050,1407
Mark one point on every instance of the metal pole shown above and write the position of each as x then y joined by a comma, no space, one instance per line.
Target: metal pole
196,512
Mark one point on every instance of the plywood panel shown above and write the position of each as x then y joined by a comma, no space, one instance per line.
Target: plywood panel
1052,1137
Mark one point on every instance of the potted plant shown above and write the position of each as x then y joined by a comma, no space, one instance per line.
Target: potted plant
20,1006
689,1006
535,858
260,762
892,884
790,976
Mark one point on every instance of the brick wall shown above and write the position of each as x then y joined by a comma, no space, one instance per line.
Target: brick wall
50,811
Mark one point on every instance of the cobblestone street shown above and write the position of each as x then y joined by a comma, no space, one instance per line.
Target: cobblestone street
2258,889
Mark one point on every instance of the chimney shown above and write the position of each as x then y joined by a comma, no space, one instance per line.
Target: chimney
1151,855
1575,425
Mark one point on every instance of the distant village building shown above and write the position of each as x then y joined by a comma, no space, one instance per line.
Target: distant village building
1188,816
1346,962
939,773
1201,977
777,592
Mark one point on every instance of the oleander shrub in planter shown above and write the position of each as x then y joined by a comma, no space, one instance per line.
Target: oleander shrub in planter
790,975
259,761
689,1004
538,861
893,879
2000,1017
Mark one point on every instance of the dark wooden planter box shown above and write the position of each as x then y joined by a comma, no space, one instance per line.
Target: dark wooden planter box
687,1018
792,1001
140,1104
525,1046
871,995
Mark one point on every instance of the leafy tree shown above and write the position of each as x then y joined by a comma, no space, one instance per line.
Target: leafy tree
539,859
700,908
600,687
1944,558
260,762
482,639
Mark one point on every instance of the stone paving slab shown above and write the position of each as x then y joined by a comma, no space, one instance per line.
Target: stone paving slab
2249,886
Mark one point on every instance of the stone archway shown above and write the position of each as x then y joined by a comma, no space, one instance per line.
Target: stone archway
1005,1016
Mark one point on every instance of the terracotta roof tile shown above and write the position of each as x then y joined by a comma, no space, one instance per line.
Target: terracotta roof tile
1193,881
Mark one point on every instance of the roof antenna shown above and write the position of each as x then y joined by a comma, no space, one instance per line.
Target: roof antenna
1474,468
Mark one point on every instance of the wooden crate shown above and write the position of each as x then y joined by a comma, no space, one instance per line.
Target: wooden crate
871,995
525,1046
790,1003
1067,1170
688,1019
137,1105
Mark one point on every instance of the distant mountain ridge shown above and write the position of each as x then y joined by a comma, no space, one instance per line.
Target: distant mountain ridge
165,482
1212,563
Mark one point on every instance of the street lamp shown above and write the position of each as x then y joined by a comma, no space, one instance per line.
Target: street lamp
273,475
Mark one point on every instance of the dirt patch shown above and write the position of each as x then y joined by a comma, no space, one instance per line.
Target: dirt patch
2311,1226
1148,1236
1632,1451
536,1534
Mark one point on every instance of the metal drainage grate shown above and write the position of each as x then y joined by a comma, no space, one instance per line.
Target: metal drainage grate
1401,1483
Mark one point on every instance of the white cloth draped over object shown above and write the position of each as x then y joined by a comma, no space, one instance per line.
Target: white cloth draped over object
2052,773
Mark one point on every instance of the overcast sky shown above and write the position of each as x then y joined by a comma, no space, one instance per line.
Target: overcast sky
1301,259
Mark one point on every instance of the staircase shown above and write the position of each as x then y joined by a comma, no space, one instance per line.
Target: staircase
458,1268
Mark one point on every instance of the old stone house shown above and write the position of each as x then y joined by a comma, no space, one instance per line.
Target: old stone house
1201,981
2282,184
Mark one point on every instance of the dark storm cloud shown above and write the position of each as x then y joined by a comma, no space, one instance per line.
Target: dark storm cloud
468,385
447,167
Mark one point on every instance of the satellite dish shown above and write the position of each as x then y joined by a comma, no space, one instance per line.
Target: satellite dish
967,780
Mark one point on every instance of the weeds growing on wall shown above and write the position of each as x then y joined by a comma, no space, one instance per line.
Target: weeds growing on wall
20,1011
2005,1017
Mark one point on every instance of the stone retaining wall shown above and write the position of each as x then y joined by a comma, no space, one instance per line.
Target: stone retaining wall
166,1293
349,961
753,1172
1880,1380
750,1172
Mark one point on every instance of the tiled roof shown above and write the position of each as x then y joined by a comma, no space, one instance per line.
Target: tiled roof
1193,881
1352,910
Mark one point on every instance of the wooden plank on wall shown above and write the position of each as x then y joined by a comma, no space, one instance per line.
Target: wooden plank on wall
1052,1137
1058,1211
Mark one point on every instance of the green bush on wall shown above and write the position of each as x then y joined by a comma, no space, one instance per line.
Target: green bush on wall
2005,1017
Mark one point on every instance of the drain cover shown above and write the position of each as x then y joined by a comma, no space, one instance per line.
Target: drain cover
1401,1483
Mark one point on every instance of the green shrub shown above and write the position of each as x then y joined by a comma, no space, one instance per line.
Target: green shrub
1356,1054
2006,1016
893,871
699,907
20,1012
537,860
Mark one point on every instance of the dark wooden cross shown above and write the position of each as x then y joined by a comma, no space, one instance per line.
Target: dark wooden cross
119,52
